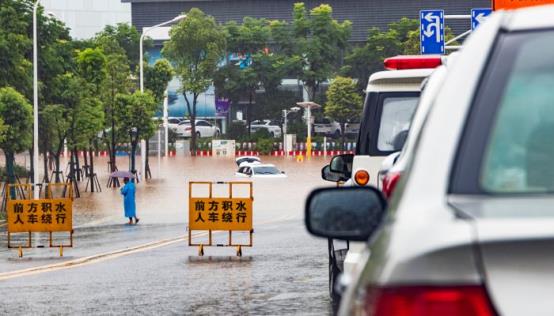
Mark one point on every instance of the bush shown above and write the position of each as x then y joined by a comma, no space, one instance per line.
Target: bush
237,130
261,134
19,171
264,146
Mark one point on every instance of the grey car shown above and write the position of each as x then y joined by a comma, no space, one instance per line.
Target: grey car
470,226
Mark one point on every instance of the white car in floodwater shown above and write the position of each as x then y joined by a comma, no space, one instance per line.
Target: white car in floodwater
258,170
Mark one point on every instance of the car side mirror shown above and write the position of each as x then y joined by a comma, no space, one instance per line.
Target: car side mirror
342,164
328,175
352,213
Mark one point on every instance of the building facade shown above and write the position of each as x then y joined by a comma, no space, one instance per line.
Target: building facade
85,18
364,14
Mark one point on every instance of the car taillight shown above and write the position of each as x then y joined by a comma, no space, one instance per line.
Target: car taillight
389,183
467,300
412,62
188,128
361,177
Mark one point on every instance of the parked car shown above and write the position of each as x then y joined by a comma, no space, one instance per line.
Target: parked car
173,122
203,129
468,230
257,170
327,127
271,126
352,128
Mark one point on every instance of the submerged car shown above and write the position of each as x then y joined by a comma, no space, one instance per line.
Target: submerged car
257,170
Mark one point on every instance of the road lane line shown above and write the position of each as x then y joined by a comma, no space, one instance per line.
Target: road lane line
104,256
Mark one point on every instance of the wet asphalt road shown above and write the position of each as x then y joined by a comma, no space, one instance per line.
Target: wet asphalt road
284,273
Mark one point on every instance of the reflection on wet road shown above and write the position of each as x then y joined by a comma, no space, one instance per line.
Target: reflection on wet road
284,273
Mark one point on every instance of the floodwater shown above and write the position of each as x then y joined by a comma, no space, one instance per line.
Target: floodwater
285,272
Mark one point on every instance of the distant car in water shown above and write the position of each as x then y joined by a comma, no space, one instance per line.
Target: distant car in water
243,160
257,170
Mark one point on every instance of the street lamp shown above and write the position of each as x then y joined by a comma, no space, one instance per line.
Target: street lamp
141,63
308,105
36,191
133,133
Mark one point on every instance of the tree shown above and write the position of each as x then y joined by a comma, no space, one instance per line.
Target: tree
89,119
157,78
318,42
344,102
128,38
117,82
196,46
54,127
136,110
17,115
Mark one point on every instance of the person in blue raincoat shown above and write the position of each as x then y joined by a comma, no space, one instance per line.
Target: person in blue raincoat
128,192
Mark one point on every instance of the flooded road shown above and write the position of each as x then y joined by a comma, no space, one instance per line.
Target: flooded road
284,273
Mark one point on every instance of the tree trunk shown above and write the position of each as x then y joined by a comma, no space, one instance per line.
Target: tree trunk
343,132
77,167
10,172
45,161
147,174
248,115
91,168
113,165
57,172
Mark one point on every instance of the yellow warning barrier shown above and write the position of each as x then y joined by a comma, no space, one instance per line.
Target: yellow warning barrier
54,213
229,213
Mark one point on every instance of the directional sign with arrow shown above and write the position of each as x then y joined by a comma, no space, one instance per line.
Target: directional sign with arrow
432,31
479,16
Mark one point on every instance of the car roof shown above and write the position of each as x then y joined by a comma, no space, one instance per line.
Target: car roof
398,80
263,165
528,18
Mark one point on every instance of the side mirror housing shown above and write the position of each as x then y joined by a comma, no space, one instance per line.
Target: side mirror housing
352,213
342,164
328,175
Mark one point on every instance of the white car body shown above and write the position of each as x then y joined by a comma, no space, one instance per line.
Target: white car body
272,127
173,123
203,129
258,170
443,236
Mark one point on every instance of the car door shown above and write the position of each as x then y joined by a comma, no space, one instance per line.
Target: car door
504,175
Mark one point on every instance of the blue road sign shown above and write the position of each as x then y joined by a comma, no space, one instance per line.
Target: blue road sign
478,16
432,31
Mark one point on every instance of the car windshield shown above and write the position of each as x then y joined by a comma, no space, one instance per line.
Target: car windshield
265,170
395,122
520,151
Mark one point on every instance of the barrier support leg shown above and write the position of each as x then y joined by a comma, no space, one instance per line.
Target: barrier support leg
30,243
61,250
239,251
20,252
201,250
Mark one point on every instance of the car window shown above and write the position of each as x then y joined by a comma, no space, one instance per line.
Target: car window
395,122
202,123
265,170
520,153
274,123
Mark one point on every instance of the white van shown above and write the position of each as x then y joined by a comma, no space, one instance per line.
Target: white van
391,100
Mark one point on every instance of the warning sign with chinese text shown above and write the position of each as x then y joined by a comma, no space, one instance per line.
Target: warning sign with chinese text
50,215
220,214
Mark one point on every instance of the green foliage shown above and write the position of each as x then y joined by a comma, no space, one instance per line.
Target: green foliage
91,64
157,78
17,115
89,120
318,42
196,46
128,38
344,103
54,127
264,145
136,110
